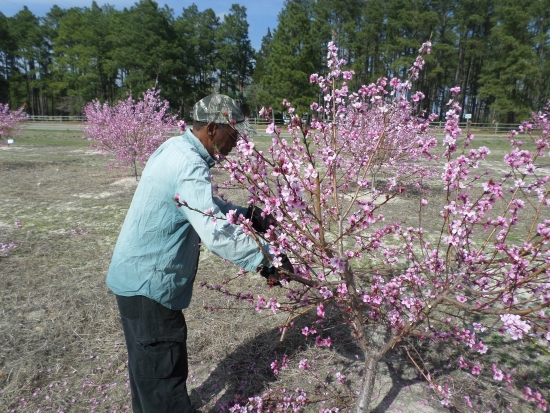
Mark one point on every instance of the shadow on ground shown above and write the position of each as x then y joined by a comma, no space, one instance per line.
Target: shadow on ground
246,371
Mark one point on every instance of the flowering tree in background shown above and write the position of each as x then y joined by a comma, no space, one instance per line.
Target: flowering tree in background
483,266
130,130
11,121
11,125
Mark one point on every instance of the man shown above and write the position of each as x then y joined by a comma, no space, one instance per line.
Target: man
156,256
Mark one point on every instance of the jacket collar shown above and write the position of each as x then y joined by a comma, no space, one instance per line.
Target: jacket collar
189,137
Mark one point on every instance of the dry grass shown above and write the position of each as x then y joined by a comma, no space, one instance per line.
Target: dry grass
61,343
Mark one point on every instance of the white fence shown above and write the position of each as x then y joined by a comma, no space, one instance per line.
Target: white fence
495,128
79,119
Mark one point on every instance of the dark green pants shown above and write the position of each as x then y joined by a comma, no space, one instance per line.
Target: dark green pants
157,355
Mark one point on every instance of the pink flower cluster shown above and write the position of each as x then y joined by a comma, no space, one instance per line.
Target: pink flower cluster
285,401
515,326
536,397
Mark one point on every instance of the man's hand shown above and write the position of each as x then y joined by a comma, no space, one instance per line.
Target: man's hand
260,223
274,275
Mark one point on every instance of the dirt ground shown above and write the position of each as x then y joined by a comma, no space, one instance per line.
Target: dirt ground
61,342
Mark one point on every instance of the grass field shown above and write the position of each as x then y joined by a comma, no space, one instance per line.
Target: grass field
61,342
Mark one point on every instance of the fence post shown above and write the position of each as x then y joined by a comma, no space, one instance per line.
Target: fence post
496,128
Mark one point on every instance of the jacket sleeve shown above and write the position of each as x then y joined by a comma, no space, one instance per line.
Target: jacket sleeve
226,240
225,207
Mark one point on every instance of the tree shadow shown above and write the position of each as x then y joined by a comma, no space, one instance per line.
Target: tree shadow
398,383
247,372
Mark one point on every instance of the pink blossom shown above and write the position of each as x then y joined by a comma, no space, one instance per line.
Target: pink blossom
303,364
348,75
543,230
536,397
325,293
231,216
479,327
277,262
180,202
182,125
271,129
342,289
321,311
426,47
455,90
514,325
481,348
497,373
327,342
274,366
418,96
493,188
310,172
337,264
260,303
247,148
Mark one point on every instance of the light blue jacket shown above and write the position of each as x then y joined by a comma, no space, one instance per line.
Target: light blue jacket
157,251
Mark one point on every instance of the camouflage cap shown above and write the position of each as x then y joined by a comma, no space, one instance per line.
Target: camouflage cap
221,109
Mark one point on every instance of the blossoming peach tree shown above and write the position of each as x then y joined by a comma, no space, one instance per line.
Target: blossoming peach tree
482,264
132,130
12,122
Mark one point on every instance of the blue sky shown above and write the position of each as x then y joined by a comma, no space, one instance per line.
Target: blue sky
260,14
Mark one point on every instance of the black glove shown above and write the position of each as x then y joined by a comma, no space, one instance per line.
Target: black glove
274,275
260,223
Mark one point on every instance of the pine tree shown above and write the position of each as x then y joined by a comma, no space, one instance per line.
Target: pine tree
198,42
145,51
510,74
292,57
235,53
83,65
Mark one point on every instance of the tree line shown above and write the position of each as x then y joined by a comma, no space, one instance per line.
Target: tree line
495,50
57,63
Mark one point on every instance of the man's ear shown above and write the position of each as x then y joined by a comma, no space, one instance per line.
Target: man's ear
211,128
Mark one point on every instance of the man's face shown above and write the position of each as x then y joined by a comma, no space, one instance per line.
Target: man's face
225,140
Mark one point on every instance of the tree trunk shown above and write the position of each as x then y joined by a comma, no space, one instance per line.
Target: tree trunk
367,385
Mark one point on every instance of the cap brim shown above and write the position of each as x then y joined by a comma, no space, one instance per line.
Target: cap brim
244,128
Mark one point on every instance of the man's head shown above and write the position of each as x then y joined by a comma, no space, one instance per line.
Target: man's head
222,110
218,121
